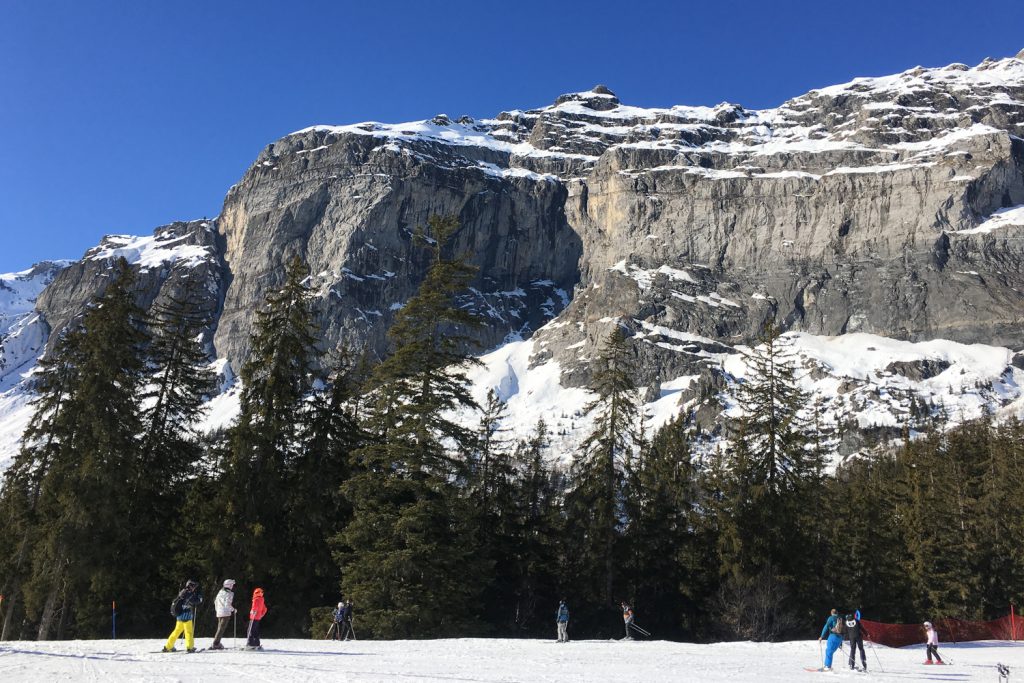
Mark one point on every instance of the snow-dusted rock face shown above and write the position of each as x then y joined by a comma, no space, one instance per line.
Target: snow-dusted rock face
890,206
23,332
164,262
853,208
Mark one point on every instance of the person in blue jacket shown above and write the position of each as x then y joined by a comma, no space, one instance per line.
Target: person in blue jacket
833,630
562,619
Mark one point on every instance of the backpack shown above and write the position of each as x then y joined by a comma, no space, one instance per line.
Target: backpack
839,627
177,606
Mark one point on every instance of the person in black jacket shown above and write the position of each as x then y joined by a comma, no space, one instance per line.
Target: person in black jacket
856,632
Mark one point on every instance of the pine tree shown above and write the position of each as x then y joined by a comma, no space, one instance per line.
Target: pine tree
769,543
594,503
314,499
23,481
407,554
659,503
179,384
79,451
538,534
258,537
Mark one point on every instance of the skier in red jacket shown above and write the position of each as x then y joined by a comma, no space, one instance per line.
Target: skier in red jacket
257,612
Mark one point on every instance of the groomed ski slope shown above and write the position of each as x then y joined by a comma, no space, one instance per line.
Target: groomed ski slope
488,660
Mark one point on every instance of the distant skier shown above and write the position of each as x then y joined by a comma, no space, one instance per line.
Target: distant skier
856,632
184,611
339,619
932,643
562,619
224,604
347,630
256,612
628,618
833,630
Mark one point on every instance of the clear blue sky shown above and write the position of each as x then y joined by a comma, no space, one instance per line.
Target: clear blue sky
118,117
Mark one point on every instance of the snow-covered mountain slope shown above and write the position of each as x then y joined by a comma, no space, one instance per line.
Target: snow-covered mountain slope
45,298
858,383
891,122
491,660
22,332
879,222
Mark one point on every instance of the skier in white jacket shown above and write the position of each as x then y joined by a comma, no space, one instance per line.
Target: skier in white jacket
225,609
932,643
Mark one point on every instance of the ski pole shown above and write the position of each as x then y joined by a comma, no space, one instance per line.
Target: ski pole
234,635
877,658
821,653
113,620
640,630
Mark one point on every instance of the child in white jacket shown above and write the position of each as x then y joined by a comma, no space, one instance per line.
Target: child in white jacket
932,643
223,604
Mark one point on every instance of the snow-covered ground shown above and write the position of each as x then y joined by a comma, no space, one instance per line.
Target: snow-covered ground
486,660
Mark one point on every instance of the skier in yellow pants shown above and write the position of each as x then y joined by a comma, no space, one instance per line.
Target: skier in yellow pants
184,610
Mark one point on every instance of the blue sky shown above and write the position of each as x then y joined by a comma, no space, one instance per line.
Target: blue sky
118,117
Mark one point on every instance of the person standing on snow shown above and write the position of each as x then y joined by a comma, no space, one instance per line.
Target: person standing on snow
339,620
224,606
932,643
562,619
856,632
347,630
833,630
184,611
256,612
627,618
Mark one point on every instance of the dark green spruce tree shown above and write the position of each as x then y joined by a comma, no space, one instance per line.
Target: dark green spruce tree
24,480
180,382
770,503
80,451
538,530
408,556
659,502
254,533
492,489
594,503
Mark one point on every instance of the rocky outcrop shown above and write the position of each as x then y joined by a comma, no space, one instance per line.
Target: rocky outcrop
349,204
890,206
848,209
165,263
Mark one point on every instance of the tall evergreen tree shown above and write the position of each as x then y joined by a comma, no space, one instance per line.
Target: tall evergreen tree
258,537
180,381
771,494
80,449
538,534
594,504
407,555
660,501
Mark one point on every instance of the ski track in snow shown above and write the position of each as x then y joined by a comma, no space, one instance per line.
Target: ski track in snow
489,661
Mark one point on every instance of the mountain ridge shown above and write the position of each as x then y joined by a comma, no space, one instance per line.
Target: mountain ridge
888,206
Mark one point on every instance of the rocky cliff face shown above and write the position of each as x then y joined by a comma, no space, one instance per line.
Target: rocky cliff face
887,206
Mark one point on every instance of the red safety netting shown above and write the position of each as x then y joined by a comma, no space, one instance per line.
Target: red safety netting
950,631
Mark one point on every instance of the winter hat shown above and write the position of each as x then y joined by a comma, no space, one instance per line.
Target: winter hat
928,624
229,584
340,605
191,583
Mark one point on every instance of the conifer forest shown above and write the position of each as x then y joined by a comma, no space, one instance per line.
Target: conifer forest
345,476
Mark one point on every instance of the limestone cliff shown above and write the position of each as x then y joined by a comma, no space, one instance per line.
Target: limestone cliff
890,206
